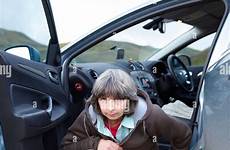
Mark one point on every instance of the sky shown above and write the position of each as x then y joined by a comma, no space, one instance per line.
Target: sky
26,16
83,17
75,18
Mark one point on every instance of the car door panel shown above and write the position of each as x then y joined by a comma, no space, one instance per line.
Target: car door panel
31,102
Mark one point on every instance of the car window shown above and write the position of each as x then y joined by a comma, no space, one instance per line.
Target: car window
136,43
93,14
23,23
222,47
198,50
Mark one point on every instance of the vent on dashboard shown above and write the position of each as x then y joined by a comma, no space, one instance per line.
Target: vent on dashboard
132,67
140,65
93,74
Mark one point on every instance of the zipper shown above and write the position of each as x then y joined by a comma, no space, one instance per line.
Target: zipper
126,138
114,140
96,129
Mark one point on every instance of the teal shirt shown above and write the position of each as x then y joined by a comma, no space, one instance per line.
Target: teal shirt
126,126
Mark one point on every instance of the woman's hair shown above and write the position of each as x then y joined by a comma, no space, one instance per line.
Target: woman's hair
117,84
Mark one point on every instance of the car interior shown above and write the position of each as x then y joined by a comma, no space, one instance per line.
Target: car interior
170,77
169,73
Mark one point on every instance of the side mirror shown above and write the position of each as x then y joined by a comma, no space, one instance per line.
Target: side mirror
25,51
185,59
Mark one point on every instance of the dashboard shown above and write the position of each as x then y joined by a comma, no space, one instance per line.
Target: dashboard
145,75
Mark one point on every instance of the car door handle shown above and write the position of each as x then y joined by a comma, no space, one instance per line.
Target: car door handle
50,106
53,76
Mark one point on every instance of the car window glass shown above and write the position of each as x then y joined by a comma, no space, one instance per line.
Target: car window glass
222,46
73,26
136,43
198,50
24,23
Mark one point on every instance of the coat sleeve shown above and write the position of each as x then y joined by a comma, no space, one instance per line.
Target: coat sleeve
78,136
160,124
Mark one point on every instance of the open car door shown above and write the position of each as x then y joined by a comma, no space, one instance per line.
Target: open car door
32,99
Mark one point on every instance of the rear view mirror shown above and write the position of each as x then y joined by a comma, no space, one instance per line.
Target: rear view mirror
157,23
25,51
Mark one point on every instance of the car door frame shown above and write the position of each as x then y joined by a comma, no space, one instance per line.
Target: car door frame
198,139
123,23
53,54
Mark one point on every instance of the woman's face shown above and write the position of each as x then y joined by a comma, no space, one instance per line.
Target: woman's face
111,108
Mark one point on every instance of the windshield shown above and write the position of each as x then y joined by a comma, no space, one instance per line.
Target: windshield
75,19
135,43
23,23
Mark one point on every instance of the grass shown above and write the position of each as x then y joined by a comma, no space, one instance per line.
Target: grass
102,52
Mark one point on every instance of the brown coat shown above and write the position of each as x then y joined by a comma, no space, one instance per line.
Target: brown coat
151,124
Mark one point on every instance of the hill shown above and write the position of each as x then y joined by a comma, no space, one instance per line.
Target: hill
188,51
11,38
197,57
103,52
100,52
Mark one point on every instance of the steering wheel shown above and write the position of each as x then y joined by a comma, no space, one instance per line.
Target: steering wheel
180,73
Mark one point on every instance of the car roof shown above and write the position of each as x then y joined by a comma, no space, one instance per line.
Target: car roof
198,15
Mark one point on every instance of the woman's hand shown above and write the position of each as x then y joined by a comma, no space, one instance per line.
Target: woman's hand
108,145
